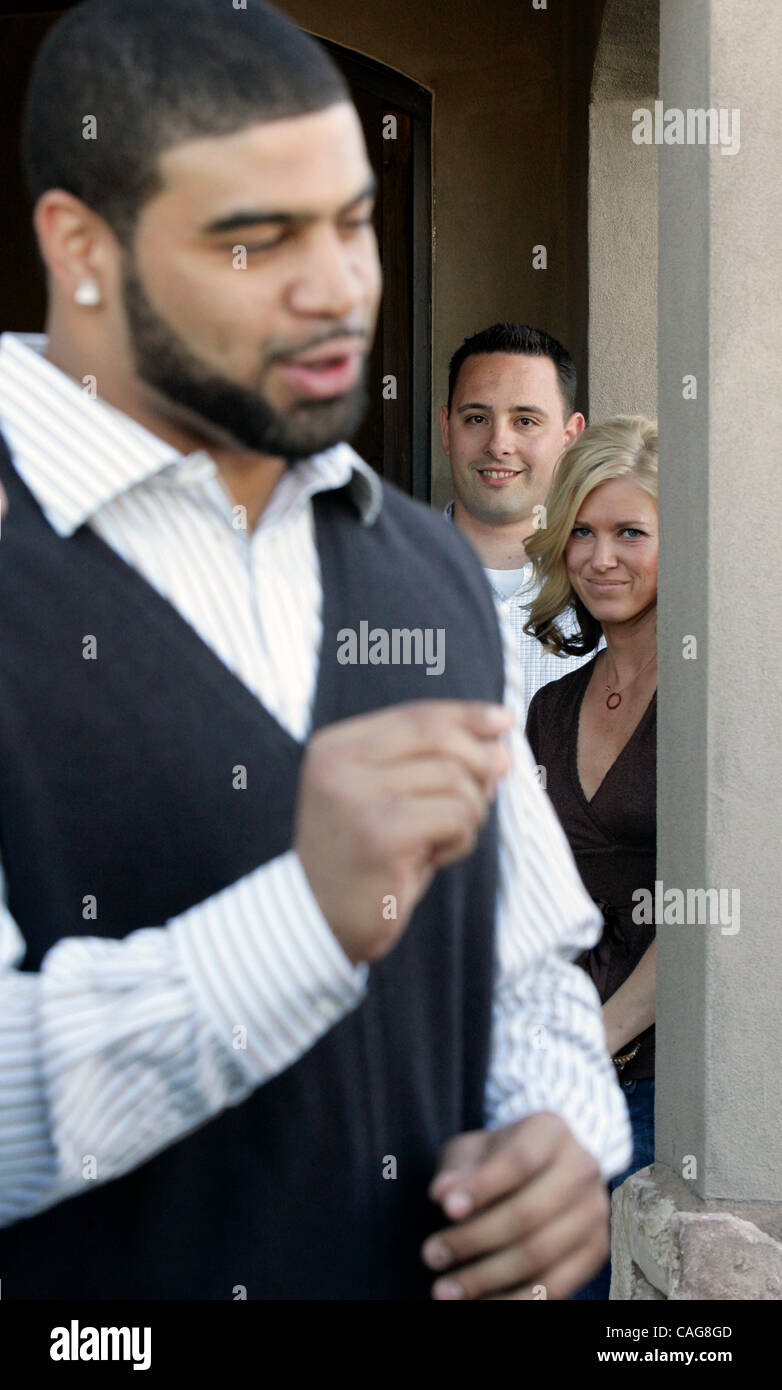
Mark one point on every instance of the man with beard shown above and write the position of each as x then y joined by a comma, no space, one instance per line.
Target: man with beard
286,985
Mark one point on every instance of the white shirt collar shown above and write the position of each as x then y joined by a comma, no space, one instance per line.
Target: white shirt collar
76,453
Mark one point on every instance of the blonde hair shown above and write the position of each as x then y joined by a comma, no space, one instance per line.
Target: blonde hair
624,446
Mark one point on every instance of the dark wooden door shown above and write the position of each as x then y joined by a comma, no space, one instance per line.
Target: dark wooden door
396,115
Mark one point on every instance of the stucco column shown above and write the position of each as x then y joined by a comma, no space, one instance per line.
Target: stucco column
719,1034
623,216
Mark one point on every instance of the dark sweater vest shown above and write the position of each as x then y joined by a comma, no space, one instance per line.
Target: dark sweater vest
116,780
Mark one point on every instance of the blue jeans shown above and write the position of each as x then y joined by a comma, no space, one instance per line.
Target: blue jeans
640,1102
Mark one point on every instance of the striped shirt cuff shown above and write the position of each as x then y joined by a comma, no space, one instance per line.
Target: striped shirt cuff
551,1055
266,969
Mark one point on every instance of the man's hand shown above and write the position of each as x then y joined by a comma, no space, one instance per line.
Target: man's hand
387,799
530,1210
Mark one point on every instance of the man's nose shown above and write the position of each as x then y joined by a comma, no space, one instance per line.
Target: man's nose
501,442
330,282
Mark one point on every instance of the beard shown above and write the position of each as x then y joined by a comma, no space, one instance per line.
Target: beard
163,360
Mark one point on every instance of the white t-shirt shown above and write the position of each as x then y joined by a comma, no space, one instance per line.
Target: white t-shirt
506,582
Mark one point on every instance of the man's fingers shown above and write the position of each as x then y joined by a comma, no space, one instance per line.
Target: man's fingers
448,825
433,777
459,1156
579,1231
371,821
563,1279
572,1273
421,832
431,805
420,728
519,1217
510,1165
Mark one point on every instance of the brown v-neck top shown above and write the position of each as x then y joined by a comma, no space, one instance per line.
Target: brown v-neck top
613,836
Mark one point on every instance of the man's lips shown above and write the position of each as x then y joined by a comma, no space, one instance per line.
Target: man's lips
498,477
328,370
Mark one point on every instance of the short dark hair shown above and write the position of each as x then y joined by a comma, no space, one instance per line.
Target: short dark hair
154,73
518,338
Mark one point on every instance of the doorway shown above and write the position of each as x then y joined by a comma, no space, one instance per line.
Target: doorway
396,114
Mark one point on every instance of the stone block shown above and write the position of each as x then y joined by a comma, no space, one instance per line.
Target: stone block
668,1243
724,1257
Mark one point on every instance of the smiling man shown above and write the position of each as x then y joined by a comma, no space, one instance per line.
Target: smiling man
510,414
286,994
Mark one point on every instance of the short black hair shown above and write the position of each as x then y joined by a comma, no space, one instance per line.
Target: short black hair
154,73
518,338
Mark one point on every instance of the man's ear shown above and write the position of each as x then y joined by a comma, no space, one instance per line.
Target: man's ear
445,429
70,239
573,427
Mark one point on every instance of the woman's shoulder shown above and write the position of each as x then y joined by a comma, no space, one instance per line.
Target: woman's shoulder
553,706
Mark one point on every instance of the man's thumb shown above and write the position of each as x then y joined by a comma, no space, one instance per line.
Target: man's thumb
462,1156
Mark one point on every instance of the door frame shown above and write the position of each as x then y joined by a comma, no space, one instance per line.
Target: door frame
388,84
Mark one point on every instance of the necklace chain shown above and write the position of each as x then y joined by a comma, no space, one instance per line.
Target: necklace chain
616,695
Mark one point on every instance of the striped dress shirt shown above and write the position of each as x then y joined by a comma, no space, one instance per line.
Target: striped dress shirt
118,1048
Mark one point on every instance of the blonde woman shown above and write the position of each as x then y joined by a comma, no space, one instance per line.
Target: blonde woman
594,730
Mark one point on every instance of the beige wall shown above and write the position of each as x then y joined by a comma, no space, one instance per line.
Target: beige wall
719,1034
506,169
623,209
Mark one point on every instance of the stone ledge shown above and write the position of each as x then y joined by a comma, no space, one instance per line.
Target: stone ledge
668,1243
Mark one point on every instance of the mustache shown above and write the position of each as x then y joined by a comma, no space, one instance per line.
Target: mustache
343,330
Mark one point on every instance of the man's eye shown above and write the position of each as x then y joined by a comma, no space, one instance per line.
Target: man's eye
469,419
265,245
525,420
269,241
359,222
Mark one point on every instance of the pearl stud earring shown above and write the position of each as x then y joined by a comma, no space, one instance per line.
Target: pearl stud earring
87,293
